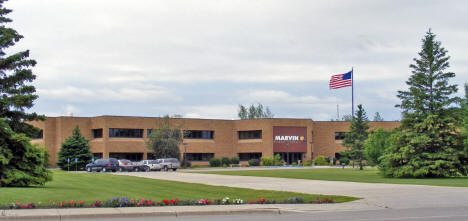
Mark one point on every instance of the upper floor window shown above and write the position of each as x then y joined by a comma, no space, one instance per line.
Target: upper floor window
97,133
340,135
39,135
250,134
131,133
198,134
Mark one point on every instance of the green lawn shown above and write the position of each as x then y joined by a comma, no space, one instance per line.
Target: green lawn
368,175
89,187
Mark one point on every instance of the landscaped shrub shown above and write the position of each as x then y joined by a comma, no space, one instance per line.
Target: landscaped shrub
215,162
225,161
308,163
293,164
235,160
267,161
344,161
277,160
321,160
254,162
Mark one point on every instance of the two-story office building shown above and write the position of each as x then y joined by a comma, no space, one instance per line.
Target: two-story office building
124,137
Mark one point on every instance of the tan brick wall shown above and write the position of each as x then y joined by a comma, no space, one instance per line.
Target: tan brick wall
320,135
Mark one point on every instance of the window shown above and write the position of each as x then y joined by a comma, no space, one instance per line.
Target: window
248,156
97,133
250,134
340,135
118,132
39,135
148,132
199,156
198,134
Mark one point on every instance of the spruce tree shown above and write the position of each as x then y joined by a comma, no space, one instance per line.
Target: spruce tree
357,135
427,144
21,163
75,146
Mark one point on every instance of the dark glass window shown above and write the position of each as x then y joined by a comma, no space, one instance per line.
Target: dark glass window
118,132
340,135
39,135
250,134
97,133
198,134
199,156
148,131
248,156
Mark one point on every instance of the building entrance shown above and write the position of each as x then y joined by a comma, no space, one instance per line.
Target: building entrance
290,157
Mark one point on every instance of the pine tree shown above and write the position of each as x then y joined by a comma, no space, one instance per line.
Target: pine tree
75,146
357,135
427,144
21,163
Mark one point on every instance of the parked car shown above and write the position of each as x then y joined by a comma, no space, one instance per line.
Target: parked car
169,163
152,164
139,166
126,165
104,165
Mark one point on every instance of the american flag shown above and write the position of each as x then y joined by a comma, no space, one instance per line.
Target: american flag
341,80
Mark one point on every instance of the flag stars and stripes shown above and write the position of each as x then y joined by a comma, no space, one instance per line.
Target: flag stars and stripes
341,80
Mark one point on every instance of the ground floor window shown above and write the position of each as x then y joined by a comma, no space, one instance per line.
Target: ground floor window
150,156
128,156
199,156
97,156
290,157
249,156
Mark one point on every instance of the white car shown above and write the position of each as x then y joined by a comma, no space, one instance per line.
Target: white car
152,164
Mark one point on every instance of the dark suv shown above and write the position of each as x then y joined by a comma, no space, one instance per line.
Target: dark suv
104,165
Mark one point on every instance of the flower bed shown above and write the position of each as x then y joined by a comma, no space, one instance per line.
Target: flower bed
125,202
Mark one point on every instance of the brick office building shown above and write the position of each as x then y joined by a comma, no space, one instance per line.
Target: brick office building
124,137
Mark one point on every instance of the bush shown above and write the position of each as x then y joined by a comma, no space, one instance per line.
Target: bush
277,160
235,160
344,160
196,166
225,161
254,162
308,163
321,160
215,162
293,164
267,161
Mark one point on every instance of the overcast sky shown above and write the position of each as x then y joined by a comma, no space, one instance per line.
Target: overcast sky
201,59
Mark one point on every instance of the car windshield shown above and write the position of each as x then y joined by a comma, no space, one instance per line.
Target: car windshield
125,161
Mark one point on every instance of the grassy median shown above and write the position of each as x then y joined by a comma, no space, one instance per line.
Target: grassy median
89,187
368,175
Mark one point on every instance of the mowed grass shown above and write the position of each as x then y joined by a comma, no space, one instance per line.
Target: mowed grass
89,187
368,175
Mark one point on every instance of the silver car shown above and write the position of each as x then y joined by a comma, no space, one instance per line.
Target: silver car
126,165
152,164
168,163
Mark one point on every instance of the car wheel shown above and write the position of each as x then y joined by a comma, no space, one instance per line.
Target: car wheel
120,169
165,168
174,169
88,169
104,170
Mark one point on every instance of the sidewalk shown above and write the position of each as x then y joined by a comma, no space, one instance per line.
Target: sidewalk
18,214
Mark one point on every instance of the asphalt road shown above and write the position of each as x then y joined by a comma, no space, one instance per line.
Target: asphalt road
427,214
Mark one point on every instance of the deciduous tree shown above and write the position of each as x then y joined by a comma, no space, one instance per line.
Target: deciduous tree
165,140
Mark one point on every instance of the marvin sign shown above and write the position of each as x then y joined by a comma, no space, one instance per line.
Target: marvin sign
289,138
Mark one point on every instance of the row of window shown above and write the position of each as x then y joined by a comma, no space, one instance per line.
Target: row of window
208,156
188,134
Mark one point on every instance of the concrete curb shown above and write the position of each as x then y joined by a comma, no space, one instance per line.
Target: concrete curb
59,214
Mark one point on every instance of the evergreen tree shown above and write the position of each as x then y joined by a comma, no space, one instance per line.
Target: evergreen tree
254,112
427,144
16,94
75,146
377,117
165,140
354,139
21,163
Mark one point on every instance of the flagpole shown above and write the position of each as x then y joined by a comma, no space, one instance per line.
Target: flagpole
352,92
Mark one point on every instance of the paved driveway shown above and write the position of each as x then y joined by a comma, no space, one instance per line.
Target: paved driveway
375,195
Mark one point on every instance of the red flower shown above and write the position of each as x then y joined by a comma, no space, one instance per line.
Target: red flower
21,206
250,201
157,203
166,202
